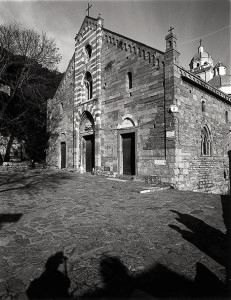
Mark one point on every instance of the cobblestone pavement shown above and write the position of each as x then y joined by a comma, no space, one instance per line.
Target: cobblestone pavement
88,216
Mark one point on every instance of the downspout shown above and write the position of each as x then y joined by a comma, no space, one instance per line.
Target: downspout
74,117
165,138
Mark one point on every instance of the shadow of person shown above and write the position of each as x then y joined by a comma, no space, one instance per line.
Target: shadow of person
54,282
207,285
117,282
154,283
210,240
226,214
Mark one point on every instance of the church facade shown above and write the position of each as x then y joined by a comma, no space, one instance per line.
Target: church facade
126,109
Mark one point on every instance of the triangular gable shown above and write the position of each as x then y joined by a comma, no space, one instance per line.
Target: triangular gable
89,23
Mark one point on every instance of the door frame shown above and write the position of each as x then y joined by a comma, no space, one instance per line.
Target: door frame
63,142
84,149
120,148
92,138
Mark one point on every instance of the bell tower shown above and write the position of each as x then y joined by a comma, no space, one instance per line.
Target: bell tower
171,53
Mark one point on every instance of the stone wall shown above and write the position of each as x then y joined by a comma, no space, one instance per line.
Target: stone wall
60,120
145,105
193,170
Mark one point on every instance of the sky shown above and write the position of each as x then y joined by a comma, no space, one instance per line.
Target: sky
146,21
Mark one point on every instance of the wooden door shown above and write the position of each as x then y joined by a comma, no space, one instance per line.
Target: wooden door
90,153
128,153
63,155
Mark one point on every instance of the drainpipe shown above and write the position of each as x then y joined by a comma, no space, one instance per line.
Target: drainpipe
74,118
165,138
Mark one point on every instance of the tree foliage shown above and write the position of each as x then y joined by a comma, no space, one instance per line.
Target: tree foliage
28,67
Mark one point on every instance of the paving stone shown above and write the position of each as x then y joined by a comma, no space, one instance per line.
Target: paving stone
87,217
15,286
3,290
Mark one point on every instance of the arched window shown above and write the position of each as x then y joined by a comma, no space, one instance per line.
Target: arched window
88,50
149,57
88,85
158,62
203,106
61,108
226,117
129,79
205,141
153,60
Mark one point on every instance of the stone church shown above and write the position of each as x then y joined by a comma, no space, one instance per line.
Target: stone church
125,109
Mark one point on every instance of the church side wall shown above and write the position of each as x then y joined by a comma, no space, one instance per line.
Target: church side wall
60,121
143,105
194,171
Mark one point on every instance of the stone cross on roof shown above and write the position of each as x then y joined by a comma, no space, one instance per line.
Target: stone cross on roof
88,8
171,29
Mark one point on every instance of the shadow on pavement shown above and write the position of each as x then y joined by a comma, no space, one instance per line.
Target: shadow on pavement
30,180
157,282
210,240
226,209
54,282
9,218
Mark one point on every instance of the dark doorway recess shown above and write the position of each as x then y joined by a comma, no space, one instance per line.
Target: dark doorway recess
63,155
128,145
90,153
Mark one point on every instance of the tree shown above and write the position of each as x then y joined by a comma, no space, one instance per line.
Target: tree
27,62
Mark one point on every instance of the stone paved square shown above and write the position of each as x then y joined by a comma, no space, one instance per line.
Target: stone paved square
87,216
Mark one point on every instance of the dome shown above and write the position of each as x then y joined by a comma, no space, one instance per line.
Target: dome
220,81
201,59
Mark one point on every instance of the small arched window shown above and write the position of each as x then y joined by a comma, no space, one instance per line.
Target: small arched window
139,51
88,85
88,50
226,117
149,57
61,108
170,44
158,62
153,60
205,141
129,79
203,106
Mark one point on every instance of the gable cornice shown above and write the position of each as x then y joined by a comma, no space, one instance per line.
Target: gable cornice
197,81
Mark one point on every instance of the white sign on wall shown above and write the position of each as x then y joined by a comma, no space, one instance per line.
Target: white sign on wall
161,162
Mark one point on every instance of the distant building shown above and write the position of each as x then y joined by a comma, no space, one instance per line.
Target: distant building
129,110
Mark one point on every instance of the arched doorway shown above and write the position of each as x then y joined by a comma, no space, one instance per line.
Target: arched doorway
87,142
